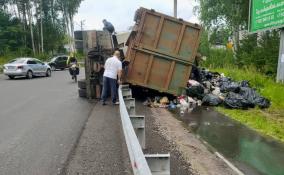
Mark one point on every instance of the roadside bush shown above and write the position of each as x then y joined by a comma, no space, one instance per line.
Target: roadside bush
256,50
219,58
260,51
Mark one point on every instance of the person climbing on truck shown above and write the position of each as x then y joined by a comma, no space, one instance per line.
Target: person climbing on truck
112,76
108,26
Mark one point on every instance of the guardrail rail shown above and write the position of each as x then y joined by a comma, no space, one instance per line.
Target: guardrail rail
134,132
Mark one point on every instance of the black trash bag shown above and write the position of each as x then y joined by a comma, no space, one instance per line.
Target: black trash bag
225,79
262,102
208,75
254,98
244,83
249,94
230,86
236,101
195,74
211,100
205,75
195,91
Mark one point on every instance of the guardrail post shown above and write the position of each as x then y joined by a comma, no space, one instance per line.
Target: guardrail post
126,93
138,123
134,133
159,163
124,86
130,105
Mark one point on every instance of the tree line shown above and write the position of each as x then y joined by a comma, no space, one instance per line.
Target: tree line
223,19
32,27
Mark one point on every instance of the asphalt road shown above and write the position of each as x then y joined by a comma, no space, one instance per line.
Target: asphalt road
40,121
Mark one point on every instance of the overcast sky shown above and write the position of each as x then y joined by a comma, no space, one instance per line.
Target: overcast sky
121,12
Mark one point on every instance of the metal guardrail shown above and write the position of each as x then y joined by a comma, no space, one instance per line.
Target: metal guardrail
134,132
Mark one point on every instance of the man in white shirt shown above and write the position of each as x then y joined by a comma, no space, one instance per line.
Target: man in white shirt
113,69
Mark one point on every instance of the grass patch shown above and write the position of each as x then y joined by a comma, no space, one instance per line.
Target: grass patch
267,121
258,120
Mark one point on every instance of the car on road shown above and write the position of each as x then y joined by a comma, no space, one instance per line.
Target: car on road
58,62
28,67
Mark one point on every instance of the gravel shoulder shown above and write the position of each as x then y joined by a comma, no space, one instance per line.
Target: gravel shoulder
102,149
166,134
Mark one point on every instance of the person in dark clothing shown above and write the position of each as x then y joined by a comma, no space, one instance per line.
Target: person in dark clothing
108,26
195,74
72,60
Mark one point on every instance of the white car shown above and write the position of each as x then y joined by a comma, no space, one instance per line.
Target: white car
28,67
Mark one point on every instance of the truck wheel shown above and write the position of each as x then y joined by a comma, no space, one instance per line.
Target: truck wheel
82,84
82,93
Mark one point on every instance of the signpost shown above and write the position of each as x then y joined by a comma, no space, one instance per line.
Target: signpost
265,15
280,69
175,8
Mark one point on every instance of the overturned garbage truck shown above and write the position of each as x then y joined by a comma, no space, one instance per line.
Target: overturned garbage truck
160,54
97,46
161,51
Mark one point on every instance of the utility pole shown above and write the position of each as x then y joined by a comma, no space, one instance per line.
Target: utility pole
280,70
82,24
41,27
175,8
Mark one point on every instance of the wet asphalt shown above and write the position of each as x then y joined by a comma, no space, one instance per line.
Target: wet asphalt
40,122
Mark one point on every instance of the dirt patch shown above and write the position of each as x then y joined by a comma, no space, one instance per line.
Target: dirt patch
166,134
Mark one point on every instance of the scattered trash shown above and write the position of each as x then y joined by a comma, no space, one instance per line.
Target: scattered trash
195,91
164,100
172,105
193,83
253,97
219,89
236,101
213,89
211,100
216,91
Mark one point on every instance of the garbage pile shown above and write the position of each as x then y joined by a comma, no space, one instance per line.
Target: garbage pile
213,89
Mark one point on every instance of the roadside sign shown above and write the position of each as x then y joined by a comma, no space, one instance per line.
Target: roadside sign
266,14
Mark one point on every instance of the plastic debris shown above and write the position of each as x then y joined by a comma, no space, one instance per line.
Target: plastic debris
164,100
193,83
195,91
211,100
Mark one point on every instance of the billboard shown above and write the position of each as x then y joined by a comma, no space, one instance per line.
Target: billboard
266,14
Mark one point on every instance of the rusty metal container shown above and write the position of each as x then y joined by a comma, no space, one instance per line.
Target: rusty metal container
161,51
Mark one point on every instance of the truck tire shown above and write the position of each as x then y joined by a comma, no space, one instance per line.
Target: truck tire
82,84
82,93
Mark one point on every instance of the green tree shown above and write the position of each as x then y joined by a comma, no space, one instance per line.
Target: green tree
38,25
10,32
230,13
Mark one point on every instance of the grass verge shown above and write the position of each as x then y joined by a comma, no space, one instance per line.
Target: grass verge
267,121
